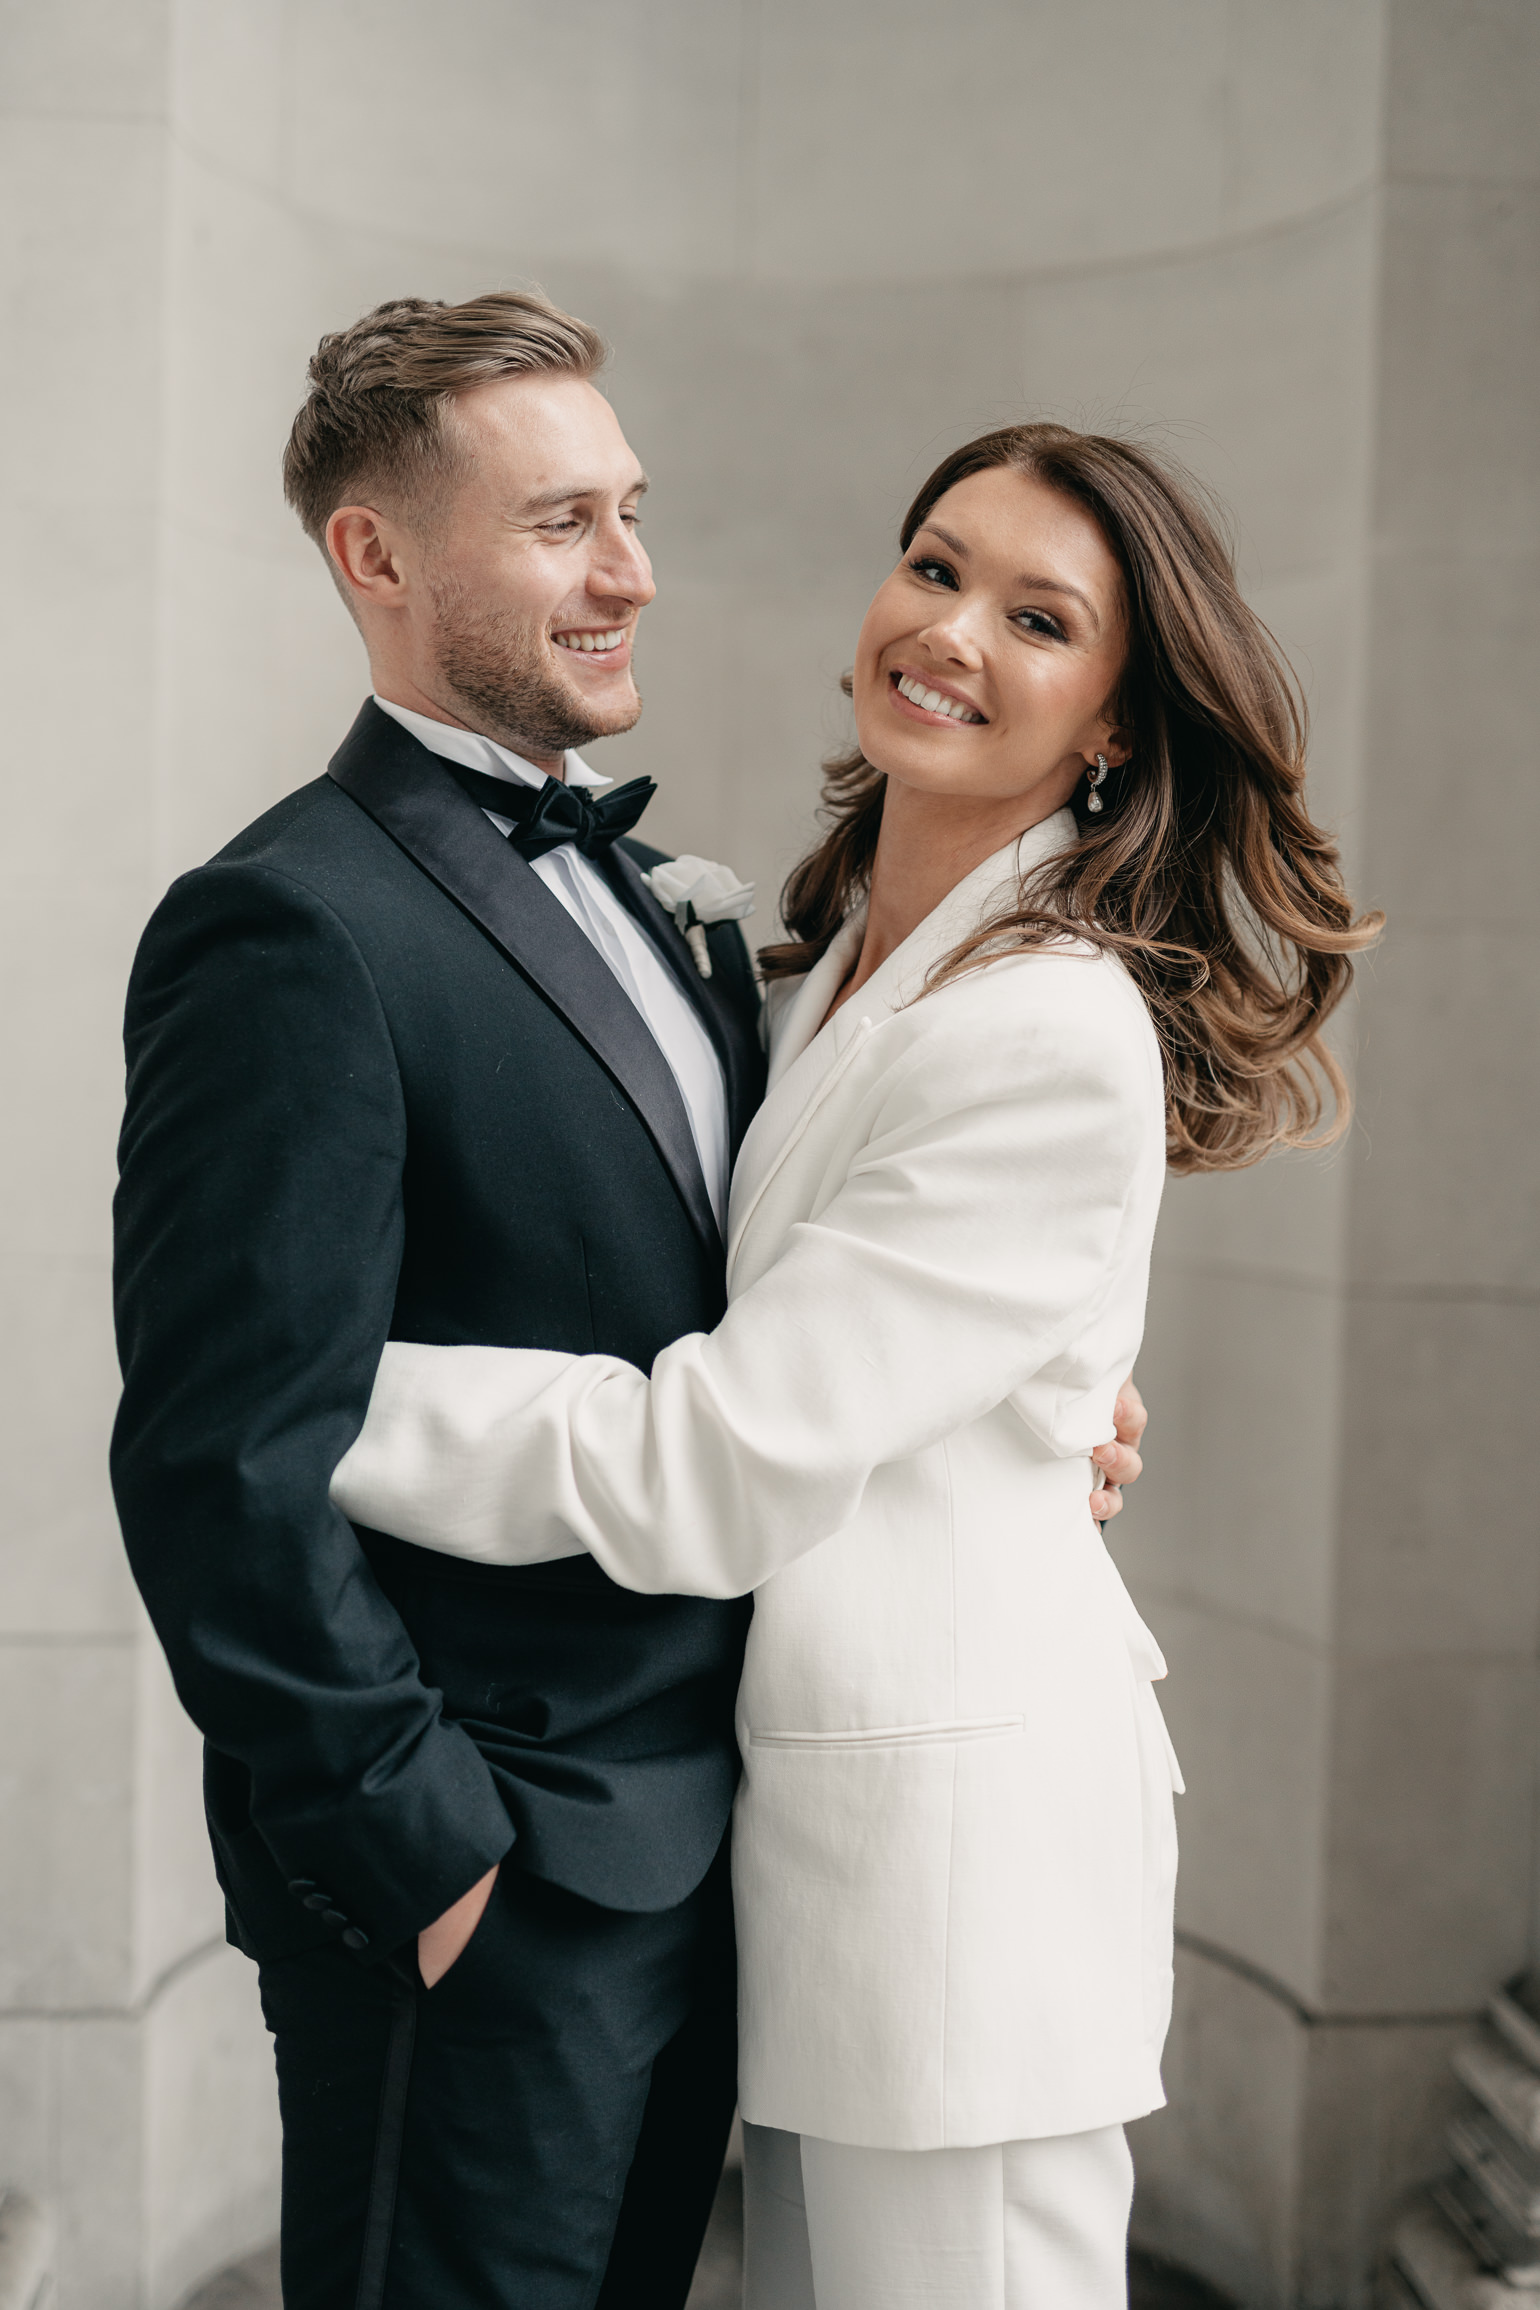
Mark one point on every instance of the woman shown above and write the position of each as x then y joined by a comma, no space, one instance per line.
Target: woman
1070,921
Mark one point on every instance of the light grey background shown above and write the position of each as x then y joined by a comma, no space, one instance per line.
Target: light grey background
1295,241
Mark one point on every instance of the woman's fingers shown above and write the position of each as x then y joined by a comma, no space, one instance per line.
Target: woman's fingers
1118,1463
1129,1417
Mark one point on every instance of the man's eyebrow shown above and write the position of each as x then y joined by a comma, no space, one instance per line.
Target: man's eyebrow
1029,580
575,489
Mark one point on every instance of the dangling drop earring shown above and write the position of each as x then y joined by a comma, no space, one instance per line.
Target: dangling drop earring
1094,778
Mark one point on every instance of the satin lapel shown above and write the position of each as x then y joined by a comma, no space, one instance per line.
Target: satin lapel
706,996
406,790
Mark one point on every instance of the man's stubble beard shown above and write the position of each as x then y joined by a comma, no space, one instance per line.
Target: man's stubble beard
500,680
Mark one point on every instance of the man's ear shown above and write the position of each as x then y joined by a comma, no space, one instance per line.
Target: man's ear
365,550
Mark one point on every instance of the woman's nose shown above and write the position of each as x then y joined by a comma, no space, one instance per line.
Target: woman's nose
953,638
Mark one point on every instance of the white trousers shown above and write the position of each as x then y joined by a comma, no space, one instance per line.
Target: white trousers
1040,2225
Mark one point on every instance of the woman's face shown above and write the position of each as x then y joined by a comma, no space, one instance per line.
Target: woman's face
987,662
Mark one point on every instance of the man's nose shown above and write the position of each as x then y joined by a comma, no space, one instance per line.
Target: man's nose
620,566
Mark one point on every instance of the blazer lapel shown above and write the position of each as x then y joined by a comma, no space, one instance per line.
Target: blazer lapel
412,795
787,1118
799,1020
810,1052
706,996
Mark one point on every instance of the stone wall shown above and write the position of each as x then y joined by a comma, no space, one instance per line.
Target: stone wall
1294,240
1352,1620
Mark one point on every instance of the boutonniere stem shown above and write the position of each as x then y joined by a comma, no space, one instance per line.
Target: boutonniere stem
696,892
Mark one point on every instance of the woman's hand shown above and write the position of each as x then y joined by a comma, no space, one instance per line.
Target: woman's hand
1119,1462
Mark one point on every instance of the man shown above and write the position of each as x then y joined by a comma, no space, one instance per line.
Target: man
420,1055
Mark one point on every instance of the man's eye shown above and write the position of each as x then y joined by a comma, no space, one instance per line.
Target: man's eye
937,573
559,528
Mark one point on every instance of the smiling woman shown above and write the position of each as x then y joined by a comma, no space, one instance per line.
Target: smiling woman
1065,626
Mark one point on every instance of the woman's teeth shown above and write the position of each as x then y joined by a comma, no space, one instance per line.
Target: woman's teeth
934,703
590,641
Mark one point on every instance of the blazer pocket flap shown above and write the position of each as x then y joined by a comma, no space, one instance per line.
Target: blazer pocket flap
893,1736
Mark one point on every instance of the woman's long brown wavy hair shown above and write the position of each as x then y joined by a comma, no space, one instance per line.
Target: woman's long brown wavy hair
1204,874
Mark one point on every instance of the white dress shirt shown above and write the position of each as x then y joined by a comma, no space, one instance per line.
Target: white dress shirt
575,880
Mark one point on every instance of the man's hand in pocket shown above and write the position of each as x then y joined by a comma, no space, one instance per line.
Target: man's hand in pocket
439,1944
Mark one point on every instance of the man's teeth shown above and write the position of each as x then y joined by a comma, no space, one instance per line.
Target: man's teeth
934,703
591,641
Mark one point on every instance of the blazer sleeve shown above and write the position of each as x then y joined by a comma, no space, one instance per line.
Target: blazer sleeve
259,1232
980,1227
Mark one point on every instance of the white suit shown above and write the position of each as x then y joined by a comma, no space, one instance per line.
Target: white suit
953,1843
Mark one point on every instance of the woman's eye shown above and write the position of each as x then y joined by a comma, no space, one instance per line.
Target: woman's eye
938,573
1039,622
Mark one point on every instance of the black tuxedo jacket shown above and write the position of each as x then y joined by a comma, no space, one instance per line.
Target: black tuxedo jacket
380,1085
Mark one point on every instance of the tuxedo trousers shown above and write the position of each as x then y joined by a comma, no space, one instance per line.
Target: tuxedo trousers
1030,2225
543,2129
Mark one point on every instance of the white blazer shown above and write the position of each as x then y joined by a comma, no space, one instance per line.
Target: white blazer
953,1845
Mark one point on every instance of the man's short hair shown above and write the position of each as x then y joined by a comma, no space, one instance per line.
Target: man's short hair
373,426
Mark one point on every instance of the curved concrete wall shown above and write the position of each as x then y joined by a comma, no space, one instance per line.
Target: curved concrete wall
1295,242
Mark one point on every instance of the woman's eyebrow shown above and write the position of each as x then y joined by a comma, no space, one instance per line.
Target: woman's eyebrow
1029,580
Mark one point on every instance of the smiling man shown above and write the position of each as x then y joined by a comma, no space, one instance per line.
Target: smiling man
419,1054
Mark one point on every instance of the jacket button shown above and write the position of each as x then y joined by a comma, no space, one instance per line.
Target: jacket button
332,1917
353,1939
300,1886
317,1901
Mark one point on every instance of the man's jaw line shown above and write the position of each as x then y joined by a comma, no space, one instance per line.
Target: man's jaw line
389,689
461,714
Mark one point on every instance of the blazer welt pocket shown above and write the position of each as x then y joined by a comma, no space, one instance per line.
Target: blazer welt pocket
893,1736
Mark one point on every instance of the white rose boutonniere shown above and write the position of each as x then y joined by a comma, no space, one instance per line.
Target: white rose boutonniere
695,892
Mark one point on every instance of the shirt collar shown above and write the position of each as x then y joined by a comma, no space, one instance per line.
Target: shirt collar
475,752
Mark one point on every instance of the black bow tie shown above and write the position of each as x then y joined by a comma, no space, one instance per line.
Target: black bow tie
546,816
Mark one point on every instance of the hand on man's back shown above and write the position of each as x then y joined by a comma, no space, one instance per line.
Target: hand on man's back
1118,1463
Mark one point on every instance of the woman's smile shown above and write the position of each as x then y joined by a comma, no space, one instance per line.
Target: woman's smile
927,700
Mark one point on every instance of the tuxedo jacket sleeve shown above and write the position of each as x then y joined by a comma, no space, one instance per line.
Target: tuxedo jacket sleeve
259,1231
990,1154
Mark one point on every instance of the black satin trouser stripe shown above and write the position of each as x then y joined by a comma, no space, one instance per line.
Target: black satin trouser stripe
473,2146
390,2130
